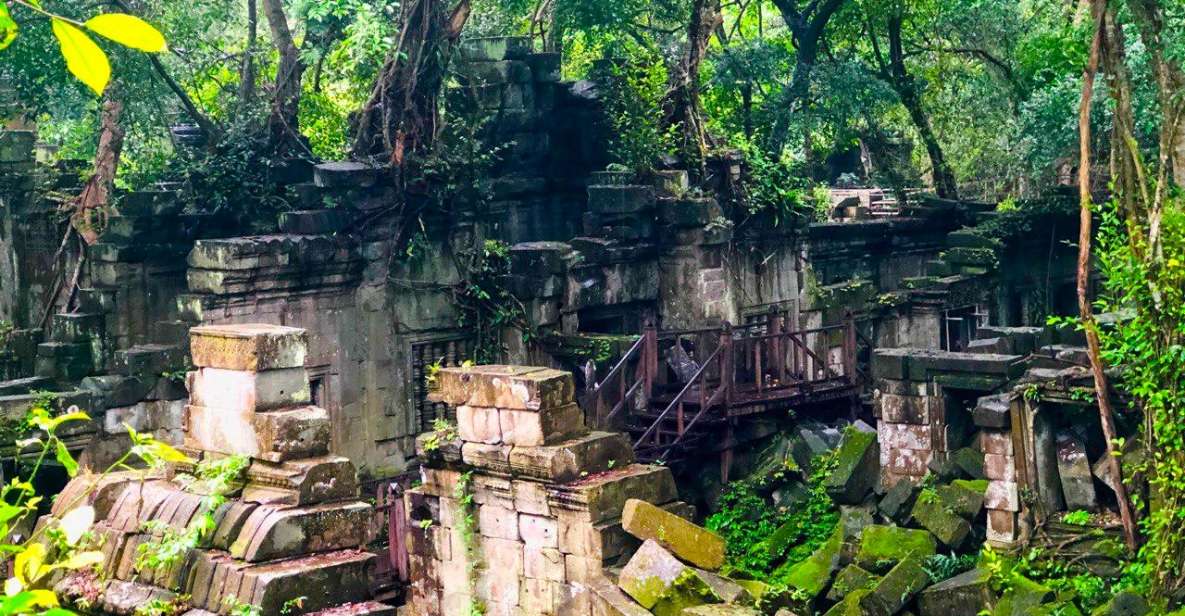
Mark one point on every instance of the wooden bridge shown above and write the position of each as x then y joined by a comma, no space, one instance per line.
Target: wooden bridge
709,378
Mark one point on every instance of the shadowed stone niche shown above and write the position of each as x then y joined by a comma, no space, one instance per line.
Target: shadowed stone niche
294,529
520,506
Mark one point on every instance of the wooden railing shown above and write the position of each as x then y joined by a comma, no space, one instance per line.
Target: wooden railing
760,361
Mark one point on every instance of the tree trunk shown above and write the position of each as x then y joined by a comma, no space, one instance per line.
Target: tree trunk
399,118
283,125
1102,394
89,207
1170,80
807,29
247,67
683,97
903,84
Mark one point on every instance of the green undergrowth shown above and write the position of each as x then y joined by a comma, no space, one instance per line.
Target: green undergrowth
764,537
1074,585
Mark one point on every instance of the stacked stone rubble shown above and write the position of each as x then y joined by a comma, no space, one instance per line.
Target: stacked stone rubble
521,508
296,527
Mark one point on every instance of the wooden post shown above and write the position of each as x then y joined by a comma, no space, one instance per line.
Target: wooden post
649,361
727,372
777,358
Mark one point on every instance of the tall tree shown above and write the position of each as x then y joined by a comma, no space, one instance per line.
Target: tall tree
400,117
283,124
1149,17
684,109
807,22
892,69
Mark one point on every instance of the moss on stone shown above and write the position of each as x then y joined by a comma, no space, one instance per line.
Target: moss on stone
881,547
813,575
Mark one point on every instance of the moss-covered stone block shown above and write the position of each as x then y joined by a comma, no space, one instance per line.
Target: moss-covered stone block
857,467
811,576
939,514
850,606
1024,597
965,496
691,543
966,594
850,579
1124,603
897,588
882,547
661,583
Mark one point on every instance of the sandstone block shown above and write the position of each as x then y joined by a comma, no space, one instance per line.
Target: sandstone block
478,424
661,583
543,564
691,543
1001,526
602,497
286,533
544,427
896,589
609,600
302,432
998,442
1076,477
564,462
1002,495
252,347
221,431
538,531
857,462
882,546
999,467
505,387
239,390
966,594
497,522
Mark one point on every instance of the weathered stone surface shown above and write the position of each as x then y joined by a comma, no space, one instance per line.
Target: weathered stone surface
283,533
811,576
239,390
856,468
896,588
993,411
964,496
850,579
1022,597
937,513
1002,495
661,583
601,497
966,594
478,424
882,547
546,426
564,462
609,600
720,610
691,543
1074,469
344,174
1124,603
301,432
505,387
898,501
250,347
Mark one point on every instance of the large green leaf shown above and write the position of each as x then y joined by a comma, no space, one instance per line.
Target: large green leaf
127,30
8,27
83,57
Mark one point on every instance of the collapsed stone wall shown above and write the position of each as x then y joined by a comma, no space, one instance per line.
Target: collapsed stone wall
294,528
521,508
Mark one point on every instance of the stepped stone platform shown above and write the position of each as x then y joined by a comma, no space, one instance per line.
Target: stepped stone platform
520,507
295,528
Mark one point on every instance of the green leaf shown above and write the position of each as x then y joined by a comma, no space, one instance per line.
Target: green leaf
8,27
65,459
127,30
83,57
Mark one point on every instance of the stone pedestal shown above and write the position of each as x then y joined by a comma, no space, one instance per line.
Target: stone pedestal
295,529
520,507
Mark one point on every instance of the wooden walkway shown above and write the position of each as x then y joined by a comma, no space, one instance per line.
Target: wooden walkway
708,380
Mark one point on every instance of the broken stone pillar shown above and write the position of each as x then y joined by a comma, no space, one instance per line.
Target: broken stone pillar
1073,467
520,507
296,527
912,426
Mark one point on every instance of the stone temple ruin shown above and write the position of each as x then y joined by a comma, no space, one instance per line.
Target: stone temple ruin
666,338
292,530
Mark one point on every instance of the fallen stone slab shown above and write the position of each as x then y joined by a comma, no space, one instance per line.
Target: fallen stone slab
1023,597
898,501
811,576
850,579
881,547
894,591
608,599
966,594
720,610
993,411
1073,467
937,514
964,496
661,583
689,542
1124,603
857,465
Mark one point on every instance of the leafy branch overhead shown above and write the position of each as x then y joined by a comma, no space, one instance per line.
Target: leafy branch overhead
84,58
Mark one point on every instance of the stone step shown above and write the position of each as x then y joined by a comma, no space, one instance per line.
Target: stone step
149,359
76,327
24,386
96,300
64,361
